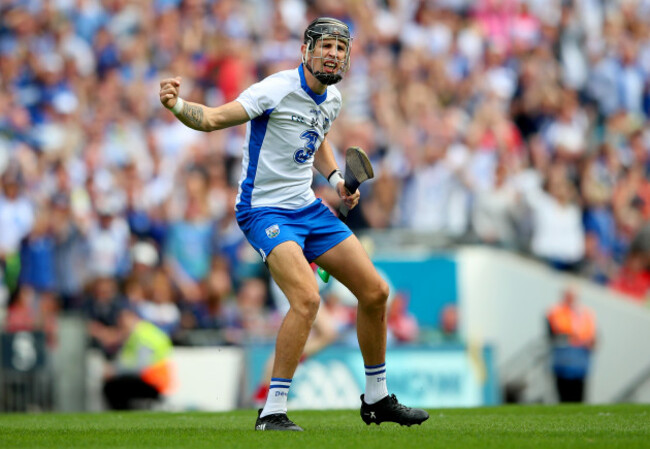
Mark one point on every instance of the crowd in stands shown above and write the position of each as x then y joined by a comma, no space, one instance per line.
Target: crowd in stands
515,123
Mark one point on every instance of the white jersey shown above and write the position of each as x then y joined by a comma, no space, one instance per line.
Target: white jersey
288,124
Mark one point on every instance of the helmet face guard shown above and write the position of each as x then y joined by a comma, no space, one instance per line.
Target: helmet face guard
327,28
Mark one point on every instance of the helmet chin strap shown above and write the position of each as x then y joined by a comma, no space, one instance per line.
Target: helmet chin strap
324,78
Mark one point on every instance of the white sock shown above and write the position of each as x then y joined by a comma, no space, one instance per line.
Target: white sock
375,383
276,400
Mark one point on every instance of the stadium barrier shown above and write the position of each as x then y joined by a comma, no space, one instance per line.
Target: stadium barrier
26,381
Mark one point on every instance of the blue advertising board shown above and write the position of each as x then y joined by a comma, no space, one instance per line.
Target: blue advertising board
421,376
430,282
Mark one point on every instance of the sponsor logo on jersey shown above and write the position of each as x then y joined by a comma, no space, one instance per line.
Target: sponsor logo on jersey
305,153
326,124
314,120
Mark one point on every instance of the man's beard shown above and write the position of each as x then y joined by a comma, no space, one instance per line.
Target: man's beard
325,78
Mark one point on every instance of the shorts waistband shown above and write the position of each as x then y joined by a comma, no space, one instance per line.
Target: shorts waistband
290,212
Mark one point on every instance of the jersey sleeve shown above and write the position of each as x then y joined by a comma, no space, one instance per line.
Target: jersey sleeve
262,96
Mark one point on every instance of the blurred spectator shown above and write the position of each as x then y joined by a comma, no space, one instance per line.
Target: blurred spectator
188,245
567,133
428,194
597,265
143,368
633,278
16,221
402,324
144,260
22,312
572,334
220,290
249,319
558,235
108,239
231,245
135,291
37,257
630,78
27,312
159,307
70,253
102,308
496,212
449,322
631,201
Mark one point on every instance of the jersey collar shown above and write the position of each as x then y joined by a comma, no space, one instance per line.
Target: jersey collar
318,99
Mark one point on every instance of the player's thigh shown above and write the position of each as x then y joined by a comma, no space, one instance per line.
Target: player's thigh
292,273
349,263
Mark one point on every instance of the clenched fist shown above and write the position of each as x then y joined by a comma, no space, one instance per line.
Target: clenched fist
169,91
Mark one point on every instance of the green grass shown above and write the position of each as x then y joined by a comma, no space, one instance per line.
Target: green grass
615,426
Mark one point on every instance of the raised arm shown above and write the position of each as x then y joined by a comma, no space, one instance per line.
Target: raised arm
198,116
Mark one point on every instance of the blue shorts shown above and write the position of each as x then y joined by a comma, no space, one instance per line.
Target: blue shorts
315,228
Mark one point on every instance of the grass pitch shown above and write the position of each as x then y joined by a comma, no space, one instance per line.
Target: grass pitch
576,426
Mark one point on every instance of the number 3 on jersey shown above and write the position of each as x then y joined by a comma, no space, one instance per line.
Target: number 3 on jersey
303,154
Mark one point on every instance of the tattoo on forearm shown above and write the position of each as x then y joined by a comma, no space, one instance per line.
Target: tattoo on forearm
194,114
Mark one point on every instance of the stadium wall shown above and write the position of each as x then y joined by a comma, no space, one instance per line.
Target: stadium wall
503,299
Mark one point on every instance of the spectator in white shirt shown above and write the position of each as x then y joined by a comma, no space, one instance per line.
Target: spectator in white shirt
16,213
558,233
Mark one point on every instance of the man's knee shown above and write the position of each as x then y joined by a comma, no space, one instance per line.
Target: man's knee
376,295
306,306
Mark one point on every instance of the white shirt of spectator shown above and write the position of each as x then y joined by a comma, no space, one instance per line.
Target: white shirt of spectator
108,246
569,135
288,124
557,230
427,200
16,220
